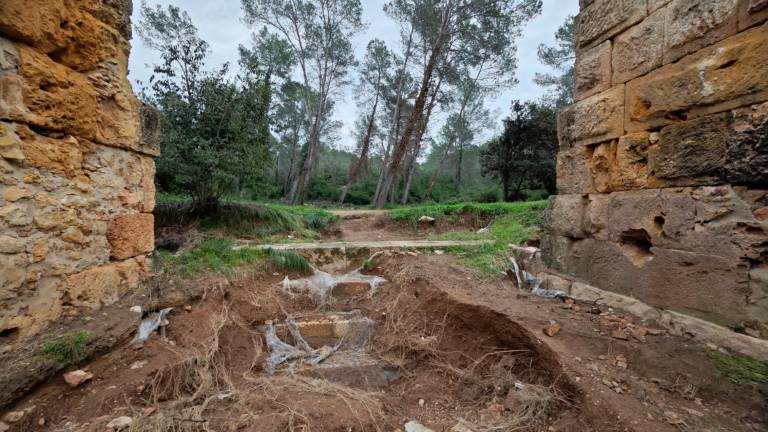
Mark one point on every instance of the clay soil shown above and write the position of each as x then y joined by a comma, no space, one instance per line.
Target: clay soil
465,348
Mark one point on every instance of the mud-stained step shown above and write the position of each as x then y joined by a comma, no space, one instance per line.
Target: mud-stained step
387,244
326,329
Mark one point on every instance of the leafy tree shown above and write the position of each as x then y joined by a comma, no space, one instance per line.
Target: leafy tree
560,57
524,154
318,33
466,32
215,129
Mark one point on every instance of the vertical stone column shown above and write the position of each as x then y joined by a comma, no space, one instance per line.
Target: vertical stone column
663,163
77,165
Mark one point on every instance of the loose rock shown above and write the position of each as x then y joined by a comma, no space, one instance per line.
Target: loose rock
120,423
619,334
552,329
414,426
4,427
13,416
75,378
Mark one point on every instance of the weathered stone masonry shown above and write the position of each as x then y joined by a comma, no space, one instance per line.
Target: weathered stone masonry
76,160
663,163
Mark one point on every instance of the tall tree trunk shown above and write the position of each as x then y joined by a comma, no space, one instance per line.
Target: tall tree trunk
363,159
418,112
418,142
459,162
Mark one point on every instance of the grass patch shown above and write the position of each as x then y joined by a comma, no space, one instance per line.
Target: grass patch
67,349
740,369
480,210
518,223
214,254
288,261
242,218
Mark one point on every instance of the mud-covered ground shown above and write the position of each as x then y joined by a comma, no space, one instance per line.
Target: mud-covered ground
463,350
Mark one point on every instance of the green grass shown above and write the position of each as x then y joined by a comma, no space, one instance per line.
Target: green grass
491,210
288,261
214,254
514,223
243,218
68,349
740,369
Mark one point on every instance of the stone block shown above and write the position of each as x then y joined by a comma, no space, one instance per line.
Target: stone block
61,156
102,285
150,131
631,169
727,75
639,50
62,30
694,24
593,71
707,286
573,174
695,148
10,142
11,96
565,215
11,245
605,18
148,185
12,276
595,119
752,12
131,235
747,148
602,164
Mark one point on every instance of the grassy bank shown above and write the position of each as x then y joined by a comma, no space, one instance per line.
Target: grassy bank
513,223
243,218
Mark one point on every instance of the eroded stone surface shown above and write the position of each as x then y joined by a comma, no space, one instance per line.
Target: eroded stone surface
593,71
693,24
639,50
605,18
727,75
76,153
595,119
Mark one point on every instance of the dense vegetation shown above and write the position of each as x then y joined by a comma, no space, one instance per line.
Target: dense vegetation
264,129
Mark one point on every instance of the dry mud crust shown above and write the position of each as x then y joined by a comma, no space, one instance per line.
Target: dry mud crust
667,383
459,359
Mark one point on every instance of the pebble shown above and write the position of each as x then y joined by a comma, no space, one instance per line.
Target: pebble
136,309
13,416
414,426
120,423
422,402
138,364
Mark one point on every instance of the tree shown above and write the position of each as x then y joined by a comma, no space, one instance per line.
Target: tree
215,128
318,33
467,32
373,75
524,154
560,57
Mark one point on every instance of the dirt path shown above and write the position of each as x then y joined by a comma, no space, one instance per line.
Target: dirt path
383,244
371,225
445,344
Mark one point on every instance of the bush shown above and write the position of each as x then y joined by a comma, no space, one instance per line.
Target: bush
68,349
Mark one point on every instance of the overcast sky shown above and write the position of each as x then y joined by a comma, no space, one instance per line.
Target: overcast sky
219,23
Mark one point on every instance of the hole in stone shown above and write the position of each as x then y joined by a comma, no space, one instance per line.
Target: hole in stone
9,334
659,221
636,246
727,64
64,24
677,116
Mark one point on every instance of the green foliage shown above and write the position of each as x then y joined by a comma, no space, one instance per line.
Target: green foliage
562,58
523,156
740,369
214,254
482,210
68,349
215,128
288,261
514,223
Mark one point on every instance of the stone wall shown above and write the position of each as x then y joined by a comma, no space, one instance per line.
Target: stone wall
663,163
76,158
